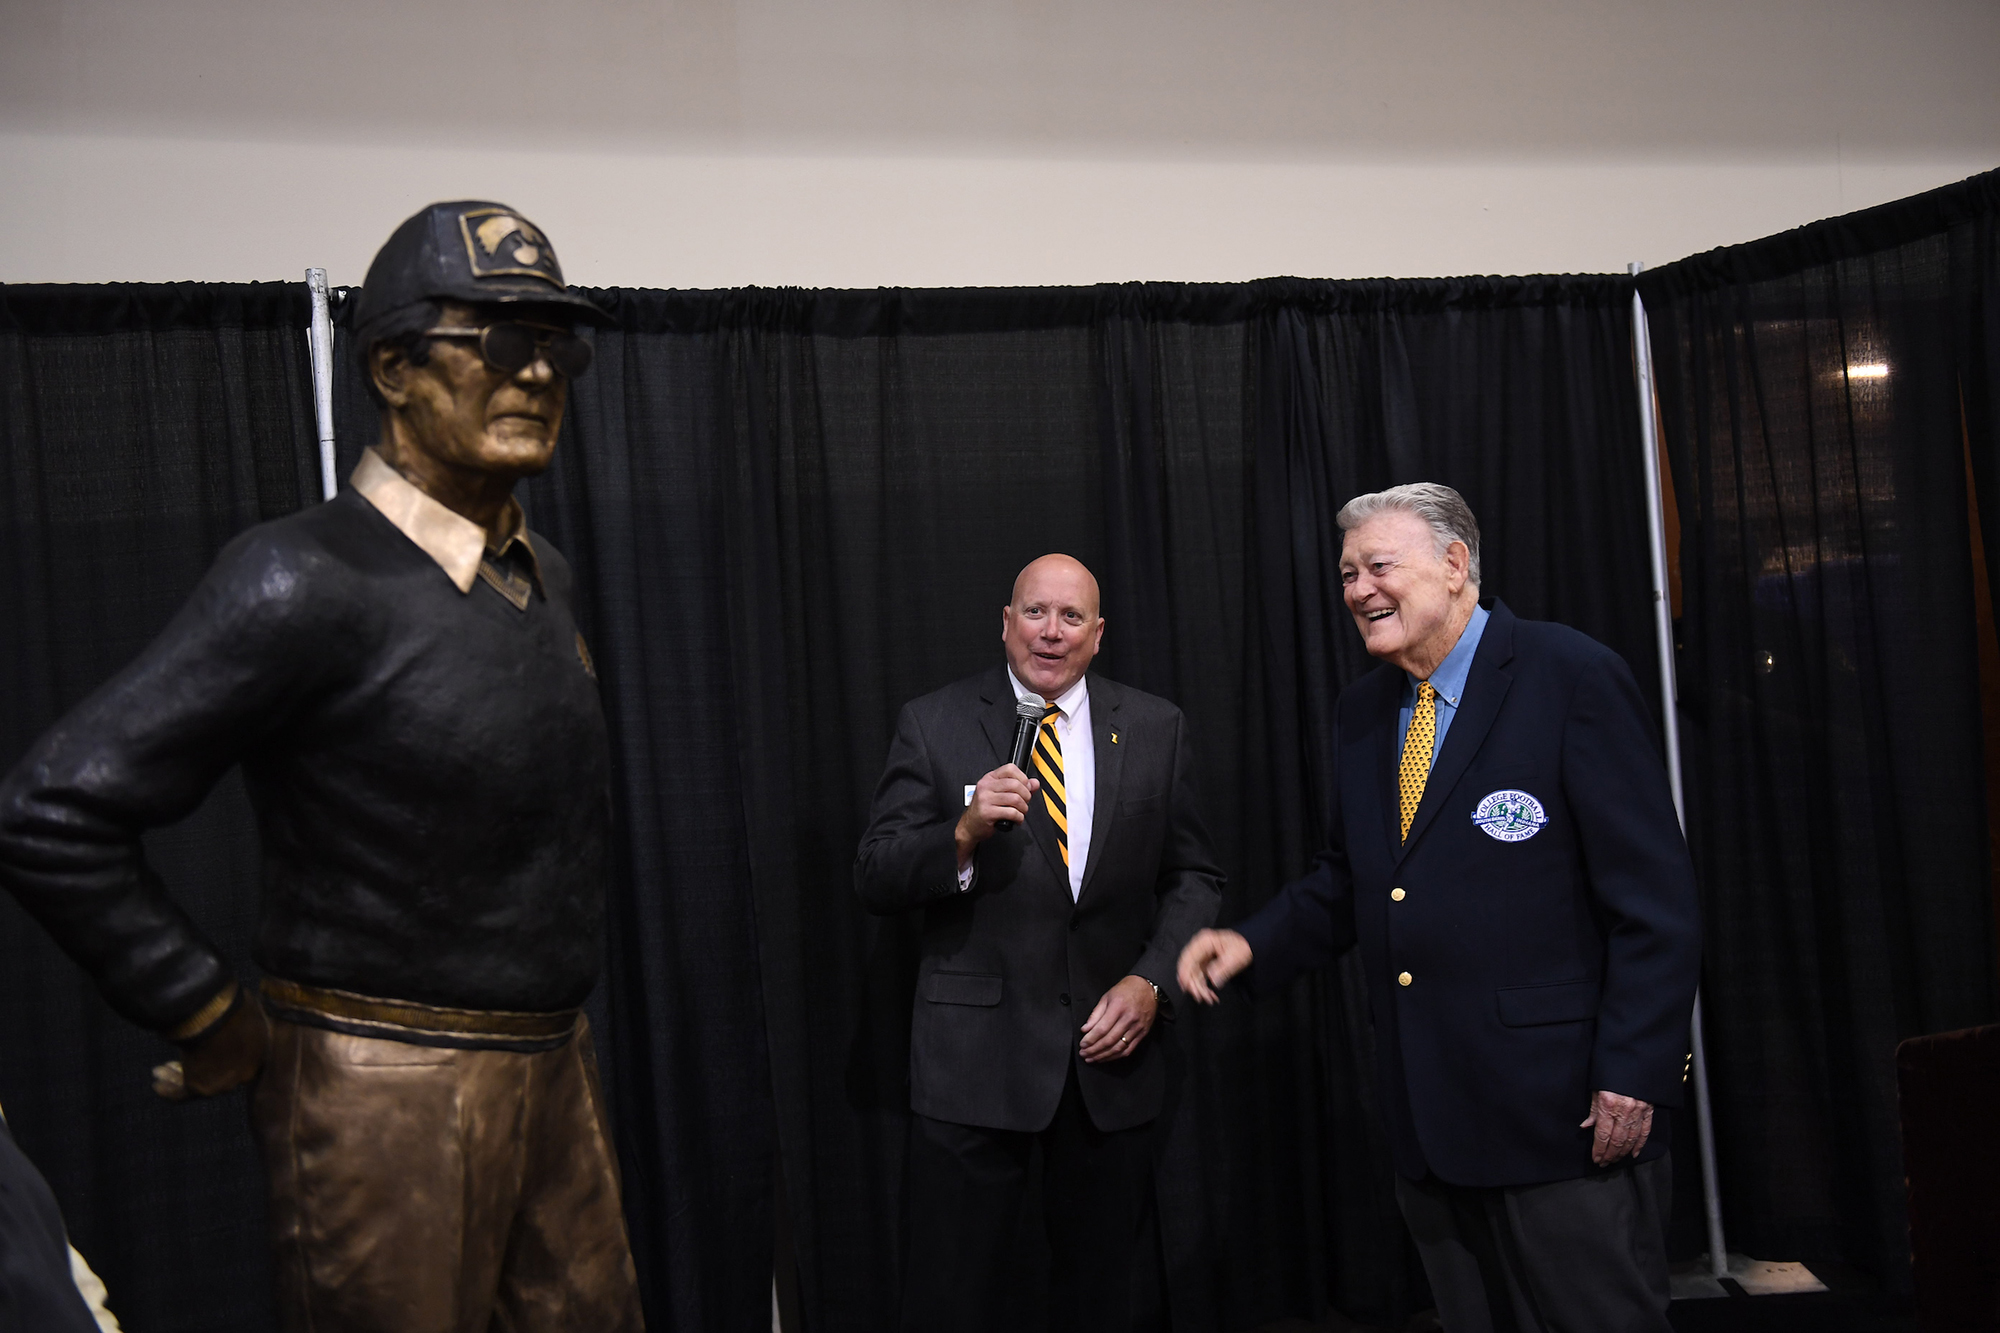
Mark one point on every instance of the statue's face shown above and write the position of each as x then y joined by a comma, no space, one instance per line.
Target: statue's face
467,414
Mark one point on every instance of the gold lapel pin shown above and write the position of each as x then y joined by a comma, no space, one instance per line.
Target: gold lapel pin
1114,738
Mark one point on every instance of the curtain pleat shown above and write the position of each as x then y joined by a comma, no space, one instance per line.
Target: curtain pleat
140,429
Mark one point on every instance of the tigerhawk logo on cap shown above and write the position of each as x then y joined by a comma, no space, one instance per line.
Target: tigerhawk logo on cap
503,244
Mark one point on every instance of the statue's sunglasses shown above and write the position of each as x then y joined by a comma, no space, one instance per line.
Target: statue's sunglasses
512,346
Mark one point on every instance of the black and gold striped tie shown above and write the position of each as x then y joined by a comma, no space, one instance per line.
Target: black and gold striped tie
1048,767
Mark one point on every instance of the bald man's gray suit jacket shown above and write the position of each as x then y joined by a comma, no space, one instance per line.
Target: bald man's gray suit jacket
1012,968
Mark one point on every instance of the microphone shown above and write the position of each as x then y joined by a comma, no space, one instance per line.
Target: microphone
1027,720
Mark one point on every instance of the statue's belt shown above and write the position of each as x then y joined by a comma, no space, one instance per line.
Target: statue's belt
414,1023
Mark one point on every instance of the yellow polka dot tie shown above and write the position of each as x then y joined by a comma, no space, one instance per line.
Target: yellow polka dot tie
1417,748
1048,767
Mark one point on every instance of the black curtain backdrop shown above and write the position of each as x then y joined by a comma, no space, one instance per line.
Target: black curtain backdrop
140,429
798,510
1811,396
792,511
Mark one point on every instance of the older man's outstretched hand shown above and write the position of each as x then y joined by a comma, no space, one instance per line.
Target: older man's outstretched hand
1210,959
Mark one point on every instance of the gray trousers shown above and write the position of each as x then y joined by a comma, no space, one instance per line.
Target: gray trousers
1572,1256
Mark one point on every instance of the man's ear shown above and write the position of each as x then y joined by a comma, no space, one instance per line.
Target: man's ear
389,367
1459,556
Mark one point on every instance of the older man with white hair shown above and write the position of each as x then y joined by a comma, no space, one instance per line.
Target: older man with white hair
1503,847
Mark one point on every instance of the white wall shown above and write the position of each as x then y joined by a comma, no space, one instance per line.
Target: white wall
703,143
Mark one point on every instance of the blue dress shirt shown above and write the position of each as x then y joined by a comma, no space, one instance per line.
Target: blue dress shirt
1448,680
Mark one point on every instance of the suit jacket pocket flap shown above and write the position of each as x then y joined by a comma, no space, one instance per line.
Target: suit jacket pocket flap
1562,1002
962,988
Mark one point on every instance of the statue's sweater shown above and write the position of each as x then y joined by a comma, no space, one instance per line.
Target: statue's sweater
429,770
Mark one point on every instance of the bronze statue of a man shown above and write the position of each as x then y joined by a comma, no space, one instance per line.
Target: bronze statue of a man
399,673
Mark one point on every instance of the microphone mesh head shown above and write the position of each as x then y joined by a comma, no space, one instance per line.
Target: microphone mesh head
1032,706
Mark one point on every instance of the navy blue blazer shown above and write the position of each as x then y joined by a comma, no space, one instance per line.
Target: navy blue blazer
1538,936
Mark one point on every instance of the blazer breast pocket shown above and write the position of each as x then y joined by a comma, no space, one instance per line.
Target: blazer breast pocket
980,988
1559,1002
1140,805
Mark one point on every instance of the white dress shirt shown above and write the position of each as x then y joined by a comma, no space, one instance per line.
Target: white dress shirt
1079,764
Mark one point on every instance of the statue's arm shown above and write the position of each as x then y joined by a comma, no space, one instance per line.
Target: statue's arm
143,751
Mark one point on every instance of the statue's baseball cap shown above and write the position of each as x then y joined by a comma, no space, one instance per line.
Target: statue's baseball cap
472,250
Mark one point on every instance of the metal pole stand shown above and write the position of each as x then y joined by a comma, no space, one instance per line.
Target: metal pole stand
1752,1276
319,346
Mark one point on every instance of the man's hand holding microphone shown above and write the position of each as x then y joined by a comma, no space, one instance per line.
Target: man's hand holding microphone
1000,800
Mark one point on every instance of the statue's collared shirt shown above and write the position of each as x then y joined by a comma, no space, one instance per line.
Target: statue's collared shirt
1448,680
463,550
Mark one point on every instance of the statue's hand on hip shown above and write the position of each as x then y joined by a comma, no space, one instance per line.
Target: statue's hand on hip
226,1056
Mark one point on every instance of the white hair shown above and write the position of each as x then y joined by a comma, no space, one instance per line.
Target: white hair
1441,508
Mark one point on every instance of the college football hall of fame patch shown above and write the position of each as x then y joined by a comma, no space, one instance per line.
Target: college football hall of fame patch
1510,816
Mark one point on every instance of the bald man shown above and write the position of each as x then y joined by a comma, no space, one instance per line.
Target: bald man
1055,902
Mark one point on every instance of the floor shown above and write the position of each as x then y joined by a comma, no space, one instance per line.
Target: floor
1851,1305
1853,1310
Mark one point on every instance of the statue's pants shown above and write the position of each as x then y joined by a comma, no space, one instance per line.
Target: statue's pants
423,1189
